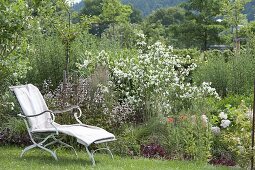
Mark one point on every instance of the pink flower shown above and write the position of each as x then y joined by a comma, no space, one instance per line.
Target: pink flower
170,120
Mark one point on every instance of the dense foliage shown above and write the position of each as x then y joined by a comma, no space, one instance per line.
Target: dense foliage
147,6
153,82
157,4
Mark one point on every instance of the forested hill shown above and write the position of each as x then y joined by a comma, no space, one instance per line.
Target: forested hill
250,10
147,6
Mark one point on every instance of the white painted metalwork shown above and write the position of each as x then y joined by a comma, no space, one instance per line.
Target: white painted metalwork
40,120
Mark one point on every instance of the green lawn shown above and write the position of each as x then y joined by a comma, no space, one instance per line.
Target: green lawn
37,159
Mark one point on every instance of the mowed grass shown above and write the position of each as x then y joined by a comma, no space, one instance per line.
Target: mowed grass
37,159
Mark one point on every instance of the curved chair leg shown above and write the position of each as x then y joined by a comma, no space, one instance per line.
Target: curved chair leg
90,156
69,146
48,150
40,145
106,148
37,145
27,149
110,152
62,143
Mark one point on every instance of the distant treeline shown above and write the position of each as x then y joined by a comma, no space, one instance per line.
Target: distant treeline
147,6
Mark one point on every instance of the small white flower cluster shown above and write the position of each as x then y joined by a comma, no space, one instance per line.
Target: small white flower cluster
223,115
83,65
224,120
8,104
224,123
204,119
215,130
141,39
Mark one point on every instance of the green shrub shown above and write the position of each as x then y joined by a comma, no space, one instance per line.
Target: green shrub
233,101
183,136
230,73
215,70
127,143
13,132
193,53
233,134
47,60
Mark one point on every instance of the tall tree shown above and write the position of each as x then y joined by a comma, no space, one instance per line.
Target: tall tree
92,7
147,6
159,25
108,12
202,22
233,15
15,19
114,12
136,15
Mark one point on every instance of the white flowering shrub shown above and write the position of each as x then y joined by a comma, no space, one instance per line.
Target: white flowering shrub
153,80
156,78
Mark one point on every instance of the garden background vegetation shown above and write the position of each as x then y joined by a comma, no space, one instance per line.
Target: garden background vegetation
176,84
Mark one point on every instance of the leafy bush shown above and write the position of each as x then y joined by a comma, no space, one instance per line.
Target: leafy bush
181,137
214,69
233,101
153,151
14,132
128,143
232,127
98,103
47,60
230,73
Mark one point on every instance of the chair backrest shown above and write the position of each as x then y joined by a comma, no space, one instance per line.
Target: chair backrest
32,103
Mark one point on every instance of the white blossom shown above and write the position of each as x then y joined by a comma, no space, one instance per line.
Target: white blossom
223,115
215,130
15,74
204,119
225,123
241,148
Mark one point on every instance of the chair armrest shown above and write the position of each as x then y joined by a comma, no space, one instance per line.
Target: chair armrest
66,109
24,116
50,120
77,115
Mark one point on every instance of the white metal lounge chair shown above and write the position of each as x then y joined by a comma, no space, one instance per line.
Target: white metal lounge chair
39,119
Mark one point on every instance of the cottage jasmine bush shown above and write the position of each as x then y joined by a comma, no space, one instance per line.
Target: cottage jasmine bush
155,78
